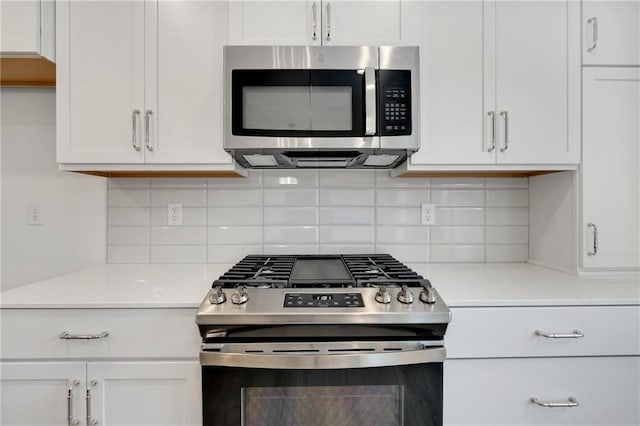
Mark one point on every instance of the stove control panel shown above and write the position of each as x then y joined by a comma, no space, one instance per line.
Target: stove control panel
323,300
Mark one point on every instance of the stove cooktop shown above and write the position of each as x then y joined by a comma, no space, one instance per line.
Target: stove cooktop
320,271
321,289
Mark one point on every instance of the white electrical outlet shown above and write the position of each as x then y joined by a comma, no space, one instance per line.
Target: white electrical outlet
174,214
34,214
427,214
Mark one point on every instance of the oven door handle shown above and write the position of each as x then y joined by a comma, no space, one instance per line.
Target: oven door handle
306,361
370,101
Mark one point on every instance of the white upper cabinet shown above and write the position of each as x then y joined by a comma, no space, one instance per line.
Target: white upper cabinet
610,227
100,82
319,22
140,82
183,84
259,22
451,83
535,81
504,89
611,32
371,23
27,29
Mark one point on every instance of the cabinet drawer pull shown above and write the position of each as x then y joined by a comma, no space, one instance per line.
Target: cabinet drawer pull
594,22
492,114
595,239
147,130
65,335
90,420
134,129
572,402
328,21
505,115
314,25
71,421
575,334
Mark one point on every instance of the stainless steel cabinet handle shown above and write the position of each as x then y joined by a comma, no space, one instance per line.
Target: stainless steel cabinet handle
71,421
572,402
505,114
594,22
492,114
65,335
575,334
370,101
90,421
595,239
322,361
147,119
134,129
314,24
328,21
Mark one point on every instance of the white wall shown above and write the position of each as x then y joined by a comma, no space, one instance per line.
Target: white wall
73,233
553,218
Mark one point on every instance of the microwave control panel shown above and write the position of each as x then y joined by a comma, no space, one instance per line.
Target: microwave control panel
394,113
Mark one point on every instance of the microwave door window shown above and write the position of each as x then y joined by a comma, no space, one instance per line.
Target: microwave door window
331,108
337,103
277,108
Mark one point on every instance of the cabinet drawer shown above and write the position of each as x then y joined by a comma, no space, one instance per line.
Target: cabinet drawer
499,391
511,332
149,333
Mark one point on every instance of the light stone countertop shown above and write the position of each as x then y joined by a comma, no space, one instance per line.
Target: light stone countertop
185,286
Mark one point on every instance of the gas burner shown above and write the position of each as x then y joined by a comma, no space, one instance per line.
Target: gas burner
417,283
260,283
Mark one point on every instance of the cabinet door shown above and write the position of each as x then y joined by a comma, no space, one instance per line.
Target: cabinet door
41,393
100,81
145,393
496,392
357,22
451,81
611,32
275,22
610,161
20,29
183,95
537,81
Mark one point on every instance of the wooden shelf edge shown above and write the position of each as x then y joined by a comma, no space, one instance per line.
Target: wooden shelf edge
27,72
163,174
477,173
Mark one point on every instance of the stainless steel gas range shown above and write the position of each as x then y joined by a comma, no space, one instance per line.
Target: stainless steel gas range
322,340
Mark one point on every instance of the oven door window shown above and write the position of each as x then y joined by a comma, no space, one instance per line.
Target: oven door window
372,405
298,103
408,395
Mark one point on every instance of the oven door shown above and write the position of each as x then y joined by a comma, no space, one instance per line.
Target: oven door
323,384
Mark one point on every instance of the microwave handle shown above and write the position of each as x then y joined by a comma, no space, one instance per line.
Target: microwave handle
370,101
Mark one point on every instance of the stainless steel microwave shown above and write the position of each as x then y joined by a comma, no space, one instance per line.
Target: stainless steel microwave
321,106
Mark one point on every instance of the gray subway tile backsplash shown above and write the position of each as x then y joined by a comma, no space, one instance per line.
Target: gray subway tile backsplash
311,212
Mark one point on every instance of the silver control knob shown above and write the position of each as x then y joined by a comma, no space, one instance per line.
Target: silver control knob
217,296
405,296
427,295
240,296
383,296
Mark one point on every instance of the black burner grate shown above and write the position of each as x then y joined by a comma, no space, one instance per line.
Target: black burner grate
275,271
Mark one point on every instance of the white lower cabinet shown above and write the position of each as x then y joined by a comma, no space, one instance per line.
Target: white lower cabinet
100,393
499,391
112,367
144,393
502,357
41,393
